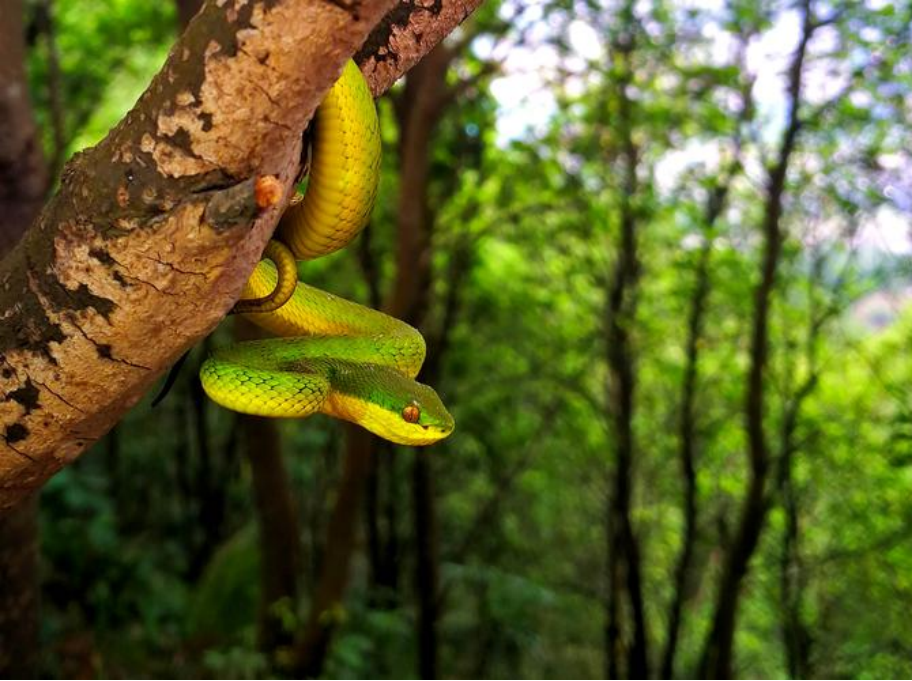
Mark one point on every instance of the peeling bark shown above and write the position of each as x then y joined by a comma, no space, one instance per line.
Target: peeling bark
148,242
408,32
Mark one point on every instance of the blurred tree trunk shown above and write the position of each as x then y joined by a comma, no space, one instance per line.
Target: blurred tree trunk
797,636
23,173
419,111
427,562
326,476
623,546
19,590
381,518
44,23
23,184
716,657
687,452
341,539
614,648
382,502
280,536
687,428
208,488
277,519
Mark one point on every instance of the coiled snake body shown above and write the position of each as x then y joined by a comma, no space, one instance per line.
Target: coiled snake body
333,356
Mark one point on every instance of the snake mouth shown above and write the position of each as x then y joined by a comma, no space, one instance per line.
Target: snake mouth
421,436
440,432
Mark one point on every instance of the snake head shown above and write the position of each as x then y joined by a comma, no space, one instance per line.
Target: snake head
421,418
424,418
389,405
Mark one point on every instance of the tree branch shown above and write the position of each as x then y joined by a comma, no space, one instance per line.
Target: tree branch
408,32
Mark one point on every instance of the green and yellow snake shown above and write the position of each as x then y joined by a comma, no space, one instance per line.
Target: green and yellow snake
333,356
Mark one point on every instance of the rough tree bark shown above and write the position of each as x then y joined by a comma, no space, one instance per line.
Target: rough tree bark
623,546
716,657
153,232
23,184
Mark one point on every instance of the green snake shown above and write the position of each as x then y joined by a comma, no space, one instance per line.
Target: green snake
332,356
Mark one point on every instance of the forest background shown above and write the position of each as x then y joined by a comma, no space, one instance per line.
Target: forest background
660,253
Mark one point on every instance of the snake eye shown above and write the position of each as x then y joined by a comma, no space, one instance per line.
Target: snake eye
411,413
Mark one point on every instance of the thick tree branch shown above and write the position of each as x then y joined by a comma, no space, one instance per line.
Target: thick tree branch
154,231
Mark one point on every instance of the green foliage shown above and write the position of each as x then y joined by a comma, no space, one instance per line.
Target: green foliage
108,52
225,601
